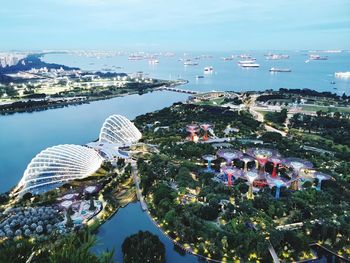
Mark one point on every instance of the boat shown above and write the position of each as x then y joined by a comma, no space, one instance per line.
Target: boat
208,70
199,77
280,70
227,58
249,61
317,57
250,65
345,74
245,56
135,57
153,61
276,56
190,63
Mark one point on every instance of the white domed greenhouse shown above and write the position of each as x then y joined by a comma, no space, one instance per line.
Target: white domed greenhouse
118,129
56,165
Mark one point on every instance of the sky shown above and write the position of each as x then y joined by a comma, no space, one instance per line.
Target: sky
212,25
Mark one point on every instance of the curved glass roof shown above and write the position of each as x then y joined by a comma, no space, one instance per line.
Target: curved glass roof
58,164
118,129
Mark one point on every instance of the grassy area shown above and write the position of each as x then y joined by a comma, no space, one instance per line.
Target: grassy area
262,112
317,138
218,101
325,108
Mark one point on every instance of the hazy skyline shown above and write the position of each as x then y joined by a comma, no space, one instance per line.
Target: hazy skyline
174,25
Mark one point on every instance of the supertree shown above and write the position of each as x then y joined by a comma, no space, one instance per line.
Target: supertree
275,160
206,127
321,177
262,156
192,129
297,165
209,158
278,182
246,159
251,176
66,204
229,155
231,172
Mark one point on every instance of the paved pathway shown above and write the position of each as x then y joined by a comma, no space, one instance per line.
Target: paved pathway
134,172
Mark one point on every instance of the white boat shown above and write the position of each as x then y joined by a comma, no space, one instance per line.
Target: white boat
190,63
280,70
317,57
250,65
135,57
208,70
342,74
249,61
153,61
276,56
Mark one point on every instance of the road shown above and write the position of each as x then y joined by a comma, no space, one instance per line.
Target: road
134,172
260,117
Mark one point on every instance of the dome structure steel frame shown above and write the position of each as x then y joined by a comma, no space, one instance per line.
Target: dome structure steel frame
58,164
118,129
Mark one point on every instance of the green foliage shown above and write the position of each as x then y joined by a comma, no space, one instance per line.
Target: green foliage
143,247
327,125
277,117
271,137
209,212
76,249
72,248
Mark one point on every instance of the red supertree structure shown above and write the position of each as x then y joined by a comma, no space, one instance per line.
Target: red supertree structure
206,127
262,156
192,129
275,160
231,172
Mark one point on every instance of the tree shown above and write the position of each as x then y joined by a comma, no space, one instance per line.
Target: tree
92,204
76,248
69,221
143,247
209,212
272,137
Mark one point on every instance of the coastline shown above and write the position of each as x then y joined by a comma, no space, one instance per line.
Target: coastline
75,101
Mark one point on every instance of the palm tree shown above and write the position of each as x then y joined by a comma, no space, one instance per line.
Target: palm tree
76,248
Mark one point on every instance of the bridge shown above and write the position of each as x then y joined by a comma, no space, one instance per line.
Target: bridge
178,90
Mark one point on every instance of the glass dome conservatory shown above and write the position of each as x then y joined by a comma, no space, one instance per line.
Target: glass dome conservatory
118,129
56,165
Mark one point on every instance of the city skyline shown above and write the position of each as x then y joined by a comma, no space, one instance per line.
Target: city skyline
175,25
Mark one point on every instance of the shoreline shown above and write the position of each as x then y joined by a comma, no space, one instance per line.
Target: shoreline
75,101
